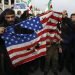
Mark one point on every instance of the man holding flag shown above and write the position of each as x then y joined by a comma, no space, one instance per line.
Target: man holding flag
21,47
8,19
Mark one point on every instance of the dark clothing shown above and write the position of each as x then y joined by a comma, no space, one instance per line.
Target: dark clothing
72,52
51,61
66,28
66,44
26,16
6,66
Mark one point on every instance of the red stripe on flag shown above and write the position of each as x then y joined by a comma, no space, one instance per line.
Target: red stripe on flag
22,55
30,59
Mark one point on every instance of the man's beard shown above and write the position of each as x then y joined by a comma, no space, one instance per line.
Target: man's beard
11,22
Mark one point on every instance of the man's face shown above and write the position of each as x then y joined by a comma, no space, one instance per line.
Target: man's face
10,18
73,18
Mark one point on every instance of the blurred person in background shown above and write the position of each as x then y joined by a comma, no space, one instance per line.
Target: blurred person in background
19,13
25,15
73,44
66,30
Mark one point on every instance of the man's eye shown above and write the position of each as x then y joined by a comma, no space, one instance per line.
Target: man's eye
10,17
7,17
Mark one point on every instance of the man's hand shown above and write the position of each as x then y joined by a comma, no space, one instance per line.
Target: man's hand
2,29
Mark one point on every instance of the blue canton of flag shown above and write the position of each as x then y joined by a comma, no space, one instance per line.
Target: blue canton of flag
32,23
11,38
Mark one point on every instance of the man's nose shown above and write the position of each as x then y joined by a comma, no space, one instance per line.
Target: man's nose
10,18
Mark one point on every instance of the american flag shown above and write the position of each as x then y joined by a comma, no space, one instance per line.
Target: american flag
22,48
49,21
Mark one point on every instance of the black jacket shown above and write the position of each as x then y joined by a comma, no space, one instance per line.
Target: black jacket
66,28
67,34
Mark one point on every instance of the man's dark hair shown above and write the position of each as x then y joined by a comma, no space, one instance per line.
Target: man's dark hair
18,12
8,12
73,14
25,15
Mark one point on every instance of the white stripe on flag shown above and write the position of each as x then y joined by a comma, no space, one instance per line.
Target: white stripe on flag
28,56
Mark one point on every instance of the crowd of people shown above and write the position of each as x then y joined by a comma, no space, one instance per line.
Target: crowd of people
58,57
